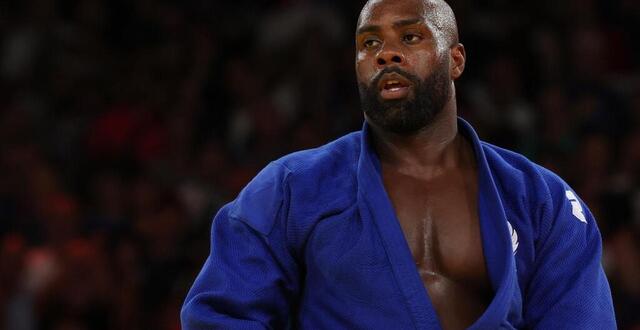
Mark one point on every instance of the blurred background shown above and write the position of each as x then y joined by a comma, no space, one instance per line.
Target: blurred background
126,124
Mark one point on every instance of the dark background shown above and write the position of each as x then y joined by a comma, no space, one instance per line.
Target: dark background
124,125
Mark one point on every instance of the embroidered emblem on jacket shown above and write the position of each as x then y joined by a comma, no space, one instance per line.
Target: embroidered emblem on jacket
514,238
576,207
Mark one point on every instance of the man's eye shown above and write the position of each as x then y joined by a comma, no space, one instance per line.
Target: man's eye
370,43
411,38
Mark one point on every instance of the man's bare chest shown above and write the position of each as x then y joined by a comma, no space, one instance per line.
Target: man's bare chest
439,220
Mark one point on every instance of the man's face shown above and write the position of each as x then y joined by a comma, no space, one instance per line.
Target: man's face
402,66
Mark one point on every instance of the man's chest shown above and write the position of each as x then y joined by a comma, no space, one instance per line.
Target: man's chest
439,220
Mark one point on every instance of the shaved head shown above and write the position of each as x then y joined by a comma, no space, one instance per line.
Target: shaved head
436,13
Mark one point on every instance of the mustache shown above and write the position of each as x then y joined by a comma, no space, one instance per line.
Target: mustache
394,69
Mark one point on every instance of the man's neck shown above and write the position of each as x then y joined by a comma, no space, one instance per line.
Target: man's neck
428,152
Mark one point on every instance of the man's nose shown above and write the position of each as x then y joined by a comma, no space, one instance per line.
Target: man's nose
390,56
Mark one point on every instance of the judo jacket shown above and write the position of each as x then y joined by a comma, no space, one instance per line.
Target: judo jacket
313,242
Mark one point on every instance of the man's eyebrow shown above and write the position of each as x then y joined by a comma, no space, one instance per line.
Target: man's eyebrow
368,28
405,22
396,24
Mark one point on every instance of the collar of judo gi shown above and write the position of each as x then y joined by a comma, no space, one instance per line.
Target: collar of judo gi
496,242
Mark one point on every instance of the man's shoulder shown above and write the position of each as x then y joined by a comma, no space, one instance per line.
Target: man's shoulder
332,159
323,176
527,189
513,166
301,181
334,156
532,195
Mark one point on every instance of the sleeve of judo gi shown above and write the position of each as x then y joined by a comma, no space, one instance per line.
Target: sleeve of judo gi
568,289
249,279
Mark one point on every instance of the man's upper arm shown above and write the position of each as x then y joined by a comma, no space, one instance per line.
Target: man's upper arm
249,279
568,288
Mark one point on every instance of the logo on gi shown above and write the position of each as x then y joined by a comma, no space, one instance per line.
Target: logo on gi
576,208
514,237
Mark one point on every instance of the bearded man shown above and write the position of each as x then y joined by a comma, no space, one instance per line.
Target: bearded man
411,223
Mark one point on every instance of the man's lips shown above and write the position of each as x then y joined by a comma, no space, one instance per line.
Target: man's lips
393,86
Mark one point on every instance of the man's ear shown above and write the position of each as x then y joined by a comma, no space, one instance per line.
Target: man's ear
458,59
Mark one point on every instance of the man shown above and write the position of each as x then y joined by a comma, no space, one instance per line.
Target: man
412,223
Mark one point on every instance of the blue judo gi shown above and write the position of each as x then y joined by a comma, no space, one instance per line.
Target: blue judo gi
313,242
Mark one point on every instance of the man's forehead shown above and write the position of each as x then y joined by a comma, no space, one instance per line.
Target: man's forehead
434,13
375,10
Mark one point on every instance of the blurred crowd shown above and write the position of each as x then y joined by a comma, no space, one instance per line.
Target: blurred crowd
126,124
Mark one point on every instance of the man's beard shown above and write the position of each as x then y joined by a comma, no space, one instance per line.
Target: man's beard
409,115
